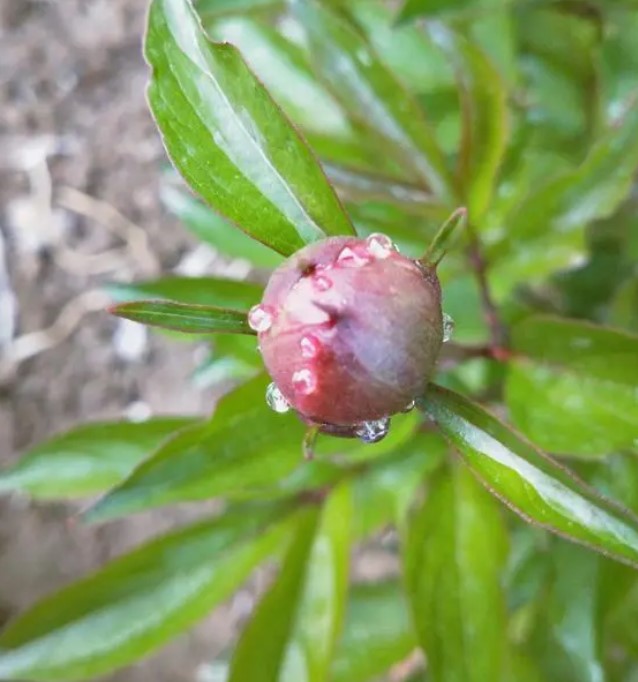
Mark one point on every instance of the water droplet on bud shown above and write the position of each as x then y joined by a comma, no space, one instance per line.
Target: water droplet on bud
380,245
275,399
448,327
373,431
409,407
304,381
350,258
260,318
310,346
321,283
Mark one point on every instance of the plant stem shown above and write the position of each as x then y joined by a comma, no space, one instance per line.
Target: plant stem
498,332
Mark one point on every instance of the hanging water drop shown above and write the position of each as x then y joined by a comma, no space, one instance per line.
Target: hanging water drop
350,258
260,318
310,346
373,431
409,407
304,381
448,327
275,399
321,283
380,245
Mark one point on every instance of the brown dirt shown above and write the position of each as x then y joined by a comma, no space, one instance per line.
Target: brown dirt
72,80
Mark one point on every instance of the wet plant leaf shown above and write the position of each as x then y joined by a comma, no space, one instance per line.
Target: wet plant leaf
212,228
528,481
88,459
372,95
485,123
243,449
454,554
377,633
183,317
571,386
208,291
229,139
294,629
139,601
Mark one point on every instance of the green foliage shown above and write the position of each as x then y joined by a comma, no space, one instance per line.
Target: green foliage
516,123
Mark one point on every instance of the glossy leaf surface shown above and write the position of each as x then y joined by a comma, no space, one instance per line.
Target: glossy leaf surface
184,317
210,291
245,447
371,93
454,554
230,140
377,633
571,386
294,630
528,481
138,601
88,459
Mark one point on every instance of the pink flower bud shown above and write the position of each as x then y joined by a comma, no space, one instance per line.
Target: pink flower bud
350,330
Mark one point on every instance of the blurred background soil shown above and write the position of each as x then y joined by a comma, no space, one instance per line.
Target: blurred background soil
74,128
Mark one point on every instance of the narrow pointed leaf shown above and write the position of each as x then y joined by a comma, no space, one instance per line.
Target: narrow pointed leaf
293,632
229,139
528,481
377,634
214,229
573,611
88,459
194,290
139,601
244,448
372,95
183,317
571,385
546,231
454,556
484,113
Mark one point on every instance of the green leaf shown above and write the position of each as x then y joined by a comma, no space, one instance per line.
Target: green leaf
383,493
377,633
414,8
230,140
216,7
139,601
284,70
372,95
87,459
194,290
529,482
571,386
573,610
185,318
546,231
213,229
293,632
454,556
244,448
485,117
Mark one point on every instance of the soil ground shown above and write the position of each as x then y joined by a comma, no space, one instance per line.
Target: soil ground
73,116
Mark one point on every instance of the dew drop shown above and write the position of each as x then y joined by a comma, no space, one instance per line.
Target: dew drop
350,258
260,318
310,346
275,399
321,283
409,407
373,431
448,327
304,381
380,245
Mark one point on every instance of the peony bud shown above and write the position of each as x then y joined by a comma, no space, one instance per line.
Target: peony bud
350,331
